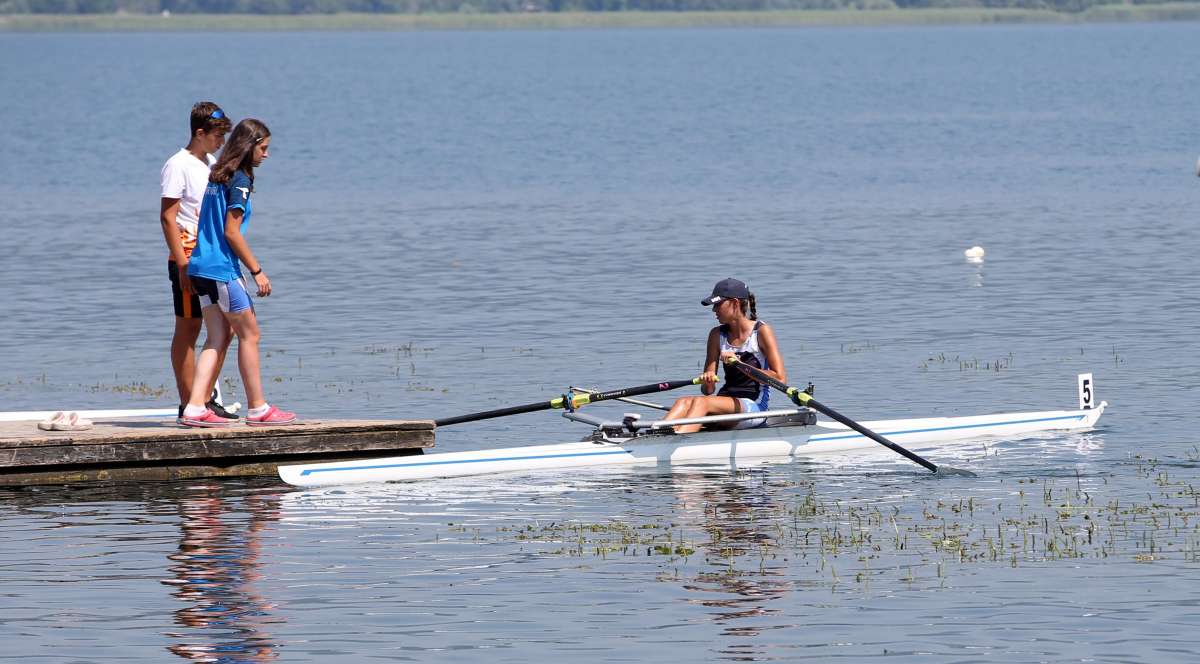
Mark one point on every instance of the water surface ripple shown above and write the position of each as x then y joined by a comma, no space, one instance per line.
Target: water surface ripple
459,221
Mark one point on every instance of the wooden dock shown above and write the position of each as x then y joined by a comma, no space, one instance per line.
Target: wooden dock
149,449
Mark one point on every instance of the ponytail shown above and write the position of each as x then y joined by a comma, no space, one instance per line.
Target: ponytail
749,304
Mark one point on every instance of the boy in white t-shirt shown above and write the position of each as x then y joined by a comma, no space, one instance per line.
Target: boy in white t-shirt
184,178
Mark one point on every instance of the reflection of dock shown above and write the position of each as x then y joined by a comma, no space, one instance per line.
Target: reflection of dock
134,449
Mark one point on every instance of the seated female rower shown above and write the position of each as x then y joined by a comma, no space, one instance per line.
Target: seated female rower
743,336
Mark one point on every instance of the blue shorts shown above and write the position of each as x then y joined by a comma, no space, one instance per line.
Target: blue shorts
750,406
231,296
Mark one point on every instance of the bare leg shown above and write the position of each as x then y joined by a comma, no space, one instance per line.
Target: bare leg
679,409
208,364
222,351
183,355
245,326
686,407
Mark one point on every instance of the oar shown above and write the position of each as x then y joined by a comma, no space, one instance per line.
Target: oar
569,401
636,402
802,398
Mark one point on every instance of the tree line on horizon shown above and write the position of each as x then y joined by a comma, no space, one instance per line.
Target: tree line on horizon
511,6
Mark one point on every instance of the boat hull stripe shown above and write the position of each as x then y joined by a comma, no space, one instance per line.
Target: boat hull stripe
310,471
820,438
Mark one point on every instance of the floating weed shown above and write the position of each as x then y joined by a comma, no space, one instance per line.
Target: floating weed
940,358
418,387
402,351
605,539
136,388
864,347
993,365
964,364
833,541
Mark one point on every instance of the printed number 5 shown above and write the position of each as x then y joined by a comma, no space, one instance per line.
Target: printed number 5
1085,391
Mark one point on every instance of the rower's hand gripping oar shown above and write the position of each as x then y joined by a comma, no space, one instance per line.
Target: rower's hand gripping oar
569,401
802,398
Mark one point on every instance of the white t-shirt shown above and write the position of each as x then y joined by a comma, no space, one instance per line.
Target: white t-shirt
185,177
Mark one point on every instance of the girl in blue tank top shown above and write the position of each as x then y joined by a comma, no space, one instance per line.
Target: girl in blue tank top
216,274
743,336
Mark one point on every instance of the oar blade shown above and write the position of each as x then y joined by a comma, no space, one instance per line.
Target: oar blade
947,471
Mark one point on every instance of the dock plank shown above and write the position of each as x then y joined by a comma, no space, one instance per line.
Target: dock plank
141,449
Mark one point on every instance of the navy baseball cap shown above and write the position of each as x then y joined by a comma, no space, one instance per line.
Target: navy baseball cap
727,289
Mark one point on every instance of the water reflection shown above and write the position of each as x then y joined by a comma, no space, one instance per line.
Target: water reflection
217,573
976,275
739,513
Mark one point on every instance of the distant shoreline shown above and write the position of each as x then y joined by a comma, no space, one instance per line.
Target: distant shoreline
588,20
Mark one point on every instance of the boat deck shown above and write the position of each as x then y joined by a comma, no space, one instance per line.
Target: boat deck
158,449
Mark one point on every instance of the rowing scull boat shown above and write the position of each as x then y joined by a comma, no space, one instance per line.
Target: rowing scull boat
792,432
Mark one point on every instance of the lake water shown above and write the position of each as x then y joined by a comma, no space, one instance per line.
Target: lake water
457,221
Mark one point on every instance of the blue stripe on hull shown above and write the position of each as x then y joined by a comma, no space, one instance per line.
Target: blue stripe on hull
310,471
960,426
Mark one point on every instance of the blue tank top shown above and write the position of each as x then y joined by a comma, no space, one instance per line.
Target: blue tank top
213,258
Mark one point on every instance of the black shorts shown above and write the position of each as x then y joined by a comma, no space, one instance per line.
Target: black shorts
187,305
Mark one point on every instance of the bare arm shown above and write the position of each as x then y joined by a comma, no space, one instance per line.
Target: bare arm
241,248
769,348
167,216
712,355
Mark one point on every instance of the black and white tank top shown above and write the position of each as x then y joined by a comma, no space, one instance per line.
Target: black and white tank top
738,384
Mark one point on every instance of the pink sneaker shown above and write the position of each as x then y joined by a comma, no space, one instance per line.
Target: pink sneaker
205,419
271,417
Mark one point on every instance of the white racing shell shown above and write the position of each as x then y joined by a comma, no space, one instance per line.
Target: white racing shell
783,441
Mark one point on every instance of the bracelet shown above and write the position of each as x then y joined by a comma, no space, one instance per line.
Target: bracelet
255,274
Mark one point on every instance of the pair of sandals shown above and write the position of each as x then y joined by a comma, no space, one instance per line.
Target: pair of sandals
65,421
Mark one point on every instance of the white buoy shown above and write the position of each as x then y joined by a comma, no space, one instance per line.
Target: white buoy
974,252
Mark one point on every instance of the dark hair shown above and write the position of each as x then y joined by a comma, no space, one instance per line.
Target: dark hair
209,117
750,304
238,154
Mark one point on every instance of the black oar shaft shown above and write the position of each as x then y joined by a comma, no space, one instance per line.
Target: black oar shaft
872,435
633,391
577,400
499,412
802,398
